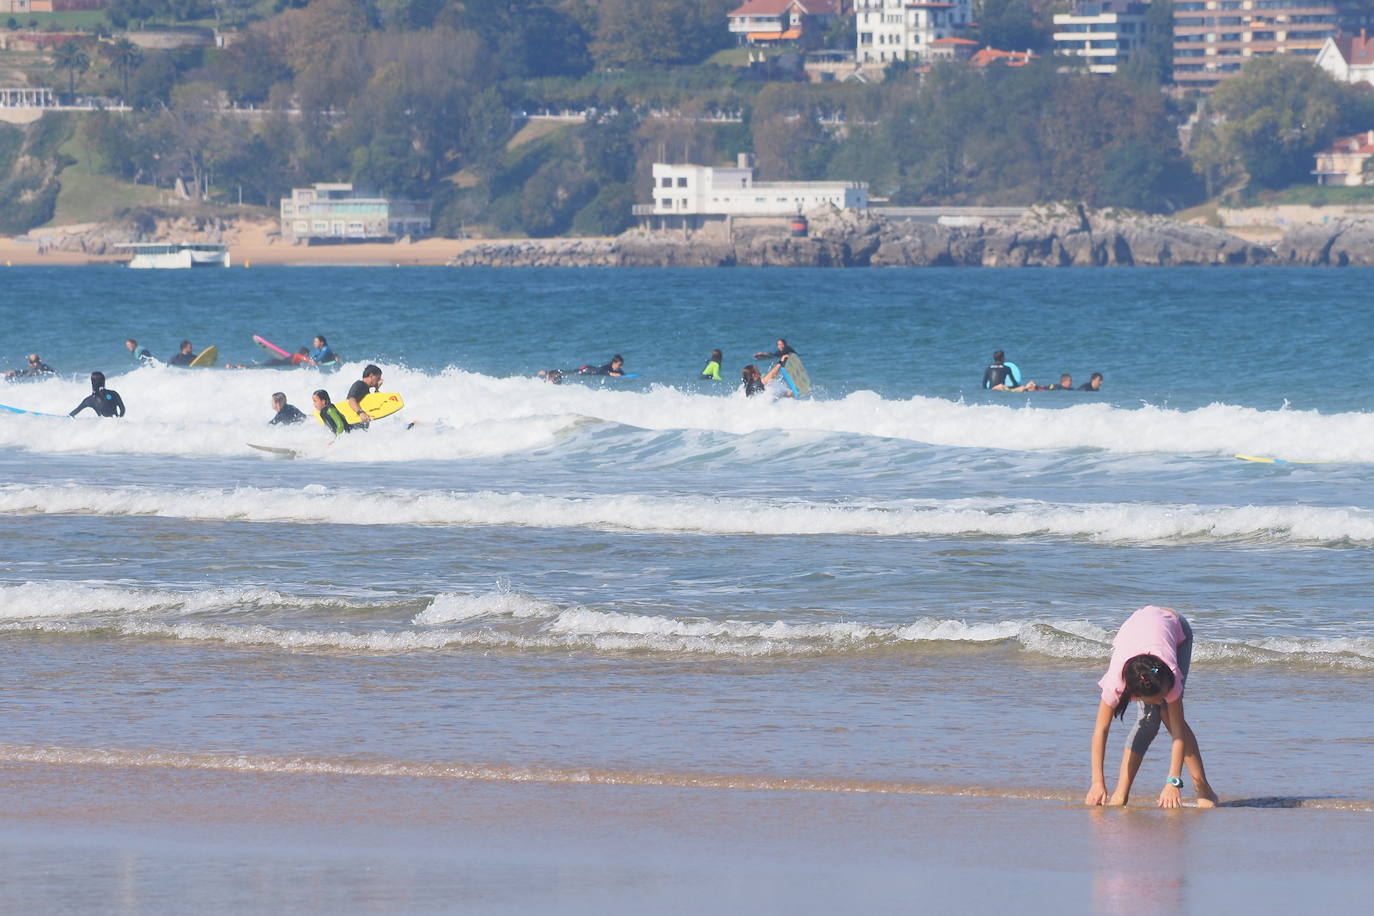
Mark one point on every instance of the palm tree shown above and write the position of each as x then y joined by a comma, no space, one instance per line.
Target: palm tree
71,57
124,55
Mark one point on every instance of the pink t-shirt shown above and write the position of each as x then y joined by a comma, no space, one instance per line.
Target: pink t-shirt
1153,631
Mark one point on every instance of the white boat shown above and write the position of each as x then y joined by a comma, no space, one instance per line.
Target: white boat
176,254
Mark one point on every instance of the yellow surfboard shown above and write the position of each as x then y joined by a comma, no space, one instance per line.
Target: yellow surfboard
206,357
378,404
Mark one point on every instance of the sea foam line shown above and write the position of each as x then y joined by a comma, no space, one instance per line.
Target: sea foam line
1098,522
116,758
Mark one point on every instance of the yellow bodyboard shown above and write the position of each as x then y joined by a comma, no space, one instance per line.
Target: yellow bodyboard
378,404
206,357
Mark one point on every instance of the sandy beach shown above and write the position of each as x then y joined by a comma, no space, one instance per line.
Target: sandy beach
252,243
155,840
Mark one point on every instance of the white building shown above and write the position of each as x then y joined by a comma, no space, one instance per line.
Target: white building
1103,32
694,196
903,30
1342,164
1349,58
336,212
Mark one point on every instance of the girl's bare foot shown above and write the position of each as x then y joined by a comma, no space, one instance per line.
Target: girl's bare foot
1206,798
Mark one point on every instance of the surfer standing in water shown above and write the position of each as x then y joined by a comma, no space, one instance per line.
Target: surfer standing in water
370,382
1150,658
103,401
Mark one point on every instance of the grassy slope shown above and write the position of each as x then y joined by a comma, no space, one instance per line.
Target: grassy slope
89,198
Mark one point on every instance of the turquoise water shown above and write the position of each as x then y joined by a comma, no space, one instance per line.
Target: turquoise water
659,576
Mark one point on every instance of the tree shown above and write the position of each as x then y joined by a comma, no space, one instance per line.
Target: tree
1278,112
1011,25
644,33
124,56
72,57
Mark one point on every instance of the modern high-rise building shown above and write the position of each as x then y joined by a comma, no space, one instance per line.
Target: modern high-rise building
1214,38
1102,32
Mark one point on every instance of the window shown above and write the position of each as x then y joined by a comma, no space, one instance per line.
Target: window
682,181
666,182
666,203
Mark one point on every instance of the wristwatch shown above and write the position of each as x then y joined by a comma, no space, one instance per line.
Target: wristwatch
1174,781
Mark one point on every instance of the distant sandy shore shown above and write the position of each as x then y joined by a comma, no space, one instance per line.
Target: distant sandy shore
256,244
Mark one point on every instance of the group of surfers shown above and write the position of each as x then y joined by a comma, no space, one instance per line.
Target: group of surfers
320,354
1005,376
752,381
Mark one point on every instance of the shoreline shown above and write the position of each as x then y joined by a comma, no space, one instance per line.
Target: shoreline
158,840
1049,237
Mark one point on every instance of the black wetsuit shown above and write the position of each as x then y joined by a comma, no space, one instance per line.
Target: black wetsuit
779,354
359,389
105,403
753,387
288,415
1088,386
182,359
997,374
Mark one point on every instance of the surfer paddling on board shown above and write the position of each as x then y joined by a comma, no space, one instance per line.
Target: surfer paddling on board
143,356
1094,383
615,367
34,369
103,401
1150,658
370,382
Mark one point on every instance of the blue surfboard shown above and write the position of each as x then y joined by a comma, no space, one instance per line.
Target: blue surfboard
32,413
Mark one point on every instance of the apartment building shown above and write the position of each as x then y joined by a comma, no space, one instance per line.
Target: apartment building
903,30
337,213
1214,38
1103,33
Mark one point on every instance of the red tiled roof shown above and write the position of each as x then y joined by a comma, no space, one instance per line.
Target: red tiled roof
1356,50
1362,143
778,7
1010,58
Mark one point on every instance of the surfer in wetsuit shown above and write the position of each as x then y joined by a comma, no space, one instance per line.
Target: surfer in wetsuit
322,353
370,382
184,357
1094,383
103,401
329,414
142,356
712,370
754,383
286,413
996,376
615,367
35,368
782,350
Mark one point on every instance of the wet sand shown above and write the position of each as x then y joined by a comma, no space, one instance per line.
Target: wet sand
154,840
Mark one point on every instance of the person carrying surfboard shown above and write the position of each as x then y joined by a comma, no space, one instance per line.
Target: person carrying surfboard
103,401
1150,658
370,382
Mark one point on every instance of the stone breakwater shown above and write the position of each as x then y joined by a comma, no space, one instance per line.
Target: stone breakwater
1062,237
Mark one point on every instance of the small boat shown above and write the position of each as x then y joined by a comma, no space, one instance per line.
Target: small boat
176,254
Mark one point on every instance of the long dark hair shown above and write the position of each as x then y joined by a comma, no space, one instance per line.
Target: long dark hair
1144,676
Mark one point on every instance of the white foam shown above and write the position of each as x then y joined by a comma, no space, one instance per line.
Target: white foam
1131,523
464,414
60,600
450,608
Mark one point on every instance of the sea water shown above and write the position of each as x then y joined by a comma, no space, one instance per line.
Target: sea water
901,583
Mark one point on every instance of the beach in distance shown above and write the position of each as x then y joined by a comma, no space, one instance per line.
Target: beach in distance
649,645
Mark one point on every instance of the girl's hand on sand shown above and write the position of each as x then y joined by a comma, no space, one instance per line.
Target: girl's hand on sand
1170,798
1097,795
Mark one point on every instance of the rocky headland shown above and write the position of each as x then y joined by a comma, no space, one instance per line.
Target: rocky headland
1045,237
